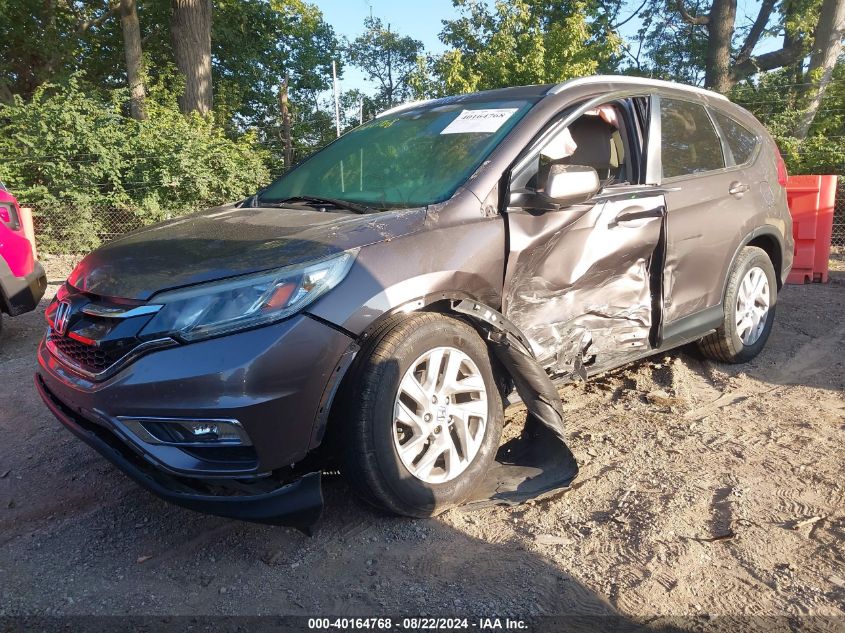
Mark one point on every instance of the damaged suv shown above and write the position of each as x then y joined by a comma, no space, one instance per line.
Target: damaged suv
374,308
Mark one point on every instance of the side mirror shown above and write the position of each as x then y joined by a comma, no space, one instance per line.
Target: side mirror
566,185
571,184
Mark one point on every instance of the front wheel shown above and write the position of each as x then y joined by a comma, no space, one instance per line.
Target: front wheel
425,416
749,309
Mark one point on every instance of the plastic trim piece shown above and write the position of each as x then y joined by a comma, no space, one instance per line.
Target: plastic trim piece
296,504
511,347
107,312
115,367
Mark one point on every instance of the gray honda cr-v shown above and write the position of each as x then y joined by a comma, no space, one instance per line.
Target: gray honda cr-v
374,307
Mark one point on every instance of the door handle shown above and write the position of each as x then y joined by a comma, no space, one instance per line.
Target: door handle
738,188
638,213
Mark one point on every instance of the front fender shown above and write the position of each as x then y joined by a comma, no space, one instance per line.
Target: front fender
467,259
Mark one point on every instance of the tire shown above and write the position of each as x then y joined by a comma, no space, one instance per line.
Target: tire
372,432
726,344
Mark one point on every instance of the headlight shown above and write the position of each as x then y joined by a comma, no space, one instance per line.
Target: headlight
226,306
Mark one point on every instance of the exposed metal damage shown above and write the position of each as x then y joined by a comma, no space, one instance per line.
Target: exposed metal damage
584,292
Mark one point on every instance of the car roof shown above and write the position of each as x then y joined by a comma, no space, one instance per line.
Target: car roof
6,195
531,93
540,91
626,80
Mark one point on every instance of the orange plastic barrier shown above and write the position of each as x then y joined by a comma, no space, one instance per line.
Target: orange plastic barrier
28,228
811,200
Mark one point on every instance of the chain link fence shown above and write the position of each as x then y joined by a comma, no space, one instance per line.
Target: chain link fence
837,238
74,230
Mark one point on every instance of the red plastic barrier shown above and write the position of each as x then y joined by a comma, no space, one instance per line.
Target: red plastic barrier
811,200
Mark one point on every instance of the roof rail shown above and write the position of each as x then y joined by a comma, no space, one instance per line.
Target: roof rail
640,81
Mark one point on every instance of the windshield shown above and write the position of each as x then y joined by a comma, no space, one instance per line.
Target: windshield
412,158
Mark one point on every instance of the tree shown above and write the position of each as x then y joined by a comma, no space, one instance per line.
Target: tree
46,40
255,43
726,65
521,42
190,36
134,58
387,58
827,44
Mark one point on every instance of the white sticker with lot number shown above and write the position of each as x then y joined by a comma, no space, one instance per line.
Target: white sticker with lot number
479,121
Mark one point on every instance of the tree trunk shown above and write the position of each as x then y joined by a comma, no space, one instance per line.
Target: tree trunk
190,35
827,44
134,59
286,132
720,29
795,70
389,71
6,95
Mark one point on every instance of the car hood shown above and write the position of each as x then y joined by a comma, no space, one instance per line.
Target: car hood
227,241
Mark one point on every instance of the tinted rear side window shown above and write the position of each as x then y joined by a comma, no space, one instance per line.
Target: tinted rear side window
689,140
741,140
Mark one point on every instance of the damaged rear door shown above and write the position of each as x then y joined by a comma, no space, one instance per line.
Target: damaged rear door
583,281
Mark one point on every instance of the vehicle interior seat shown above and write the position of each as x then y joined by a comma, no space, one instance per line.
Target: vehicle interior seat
599,145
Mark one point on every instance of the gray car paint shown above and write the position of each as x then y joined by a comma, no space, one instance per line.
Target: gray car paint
228,241
470,245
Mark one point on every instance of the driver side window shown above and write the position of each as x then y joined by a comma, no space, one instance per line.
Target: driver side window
597,139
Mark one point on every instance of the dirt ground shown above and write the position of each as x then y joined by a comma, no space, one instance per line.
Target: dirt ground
704,490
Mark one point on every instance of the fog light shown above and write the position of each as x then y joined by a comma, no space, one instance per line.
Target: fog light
186,432
204,431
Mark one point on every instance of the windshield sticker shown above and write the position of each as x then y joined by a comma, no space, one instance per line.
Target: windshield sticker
479,121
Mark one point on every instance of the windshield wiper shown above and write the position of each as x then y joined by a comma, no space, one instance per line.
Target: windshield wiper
316,200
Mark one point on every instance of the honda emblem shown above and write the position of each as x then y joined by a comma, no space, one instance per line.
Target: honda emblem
61,318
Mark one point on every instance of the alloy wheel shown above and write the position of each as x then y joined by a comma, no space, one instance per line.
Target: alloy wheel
440,415
752,305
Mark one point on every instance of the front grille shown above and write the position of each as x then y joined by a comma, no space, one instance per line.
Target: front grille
88,357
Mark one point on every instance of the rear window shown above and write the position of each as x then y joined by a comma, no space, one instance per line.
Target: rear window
689,140
741,141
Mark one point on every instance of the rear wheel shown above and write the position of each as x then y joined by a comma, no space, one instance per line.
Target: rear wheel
749,309
426,416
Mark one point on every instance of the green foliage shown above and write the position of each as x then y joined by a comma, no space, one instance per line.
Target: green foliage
42,41
521,42
777,102
387,58
71,153
255,42
667,47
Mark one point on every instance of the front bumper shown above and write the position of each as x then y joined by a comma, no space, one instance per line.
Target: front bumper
273,380
298,503
22,294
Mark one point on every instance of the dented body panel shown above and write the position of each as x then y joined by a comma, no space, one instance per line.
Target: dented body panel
579,282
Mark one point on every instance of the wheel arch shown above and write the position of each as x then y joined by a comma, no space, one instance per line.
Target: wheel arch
445,302
771,244
769,240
